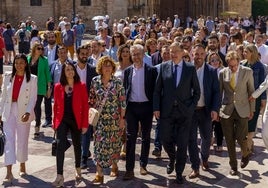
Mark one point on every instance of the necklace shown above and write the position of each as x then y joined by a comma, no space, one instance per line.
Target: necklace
69,91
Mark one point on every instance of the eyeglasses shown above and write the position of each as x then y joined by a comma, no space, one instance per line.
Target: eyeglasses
40,48
214,60
142,29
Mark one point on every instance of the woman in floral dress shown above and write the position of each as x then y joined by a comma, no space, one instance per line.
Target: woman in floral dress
109,129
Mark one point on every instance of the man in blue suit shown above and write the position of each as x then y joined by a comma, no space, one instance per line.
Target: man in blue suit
139,82
206,111
175,98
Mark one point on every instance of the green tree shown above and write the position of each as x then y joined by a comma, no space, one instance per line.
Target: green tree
259,7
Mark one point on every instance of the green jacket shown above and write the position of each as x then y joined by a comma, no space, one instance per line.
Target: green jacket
43,75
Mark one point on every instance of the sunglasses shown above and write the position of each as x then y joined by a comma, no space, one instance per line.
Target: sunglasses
214,60
104,45
116,36
142,29
40,48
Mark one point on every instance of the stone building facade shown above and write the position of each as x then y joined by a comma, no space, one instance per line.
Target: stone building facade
16,10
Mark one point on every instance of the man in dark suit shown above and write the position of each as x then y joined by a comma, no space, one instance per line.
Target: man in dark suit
156,57
139,81
51,52
206,111
86,73
175,98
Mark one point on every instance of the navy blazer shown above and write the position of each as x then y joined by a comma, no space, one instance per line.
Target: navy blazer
150,75
187,93
211,89
156,58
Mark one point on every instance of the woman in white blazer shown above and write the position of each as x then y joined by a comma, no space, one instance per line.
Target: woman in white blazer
19,92
263,87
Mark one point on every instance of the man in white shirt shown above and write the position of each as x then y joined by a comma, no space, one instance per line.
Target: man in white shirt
262,48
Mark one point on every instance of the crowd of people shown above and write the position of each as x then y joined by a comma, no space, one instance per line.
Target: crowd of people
208,77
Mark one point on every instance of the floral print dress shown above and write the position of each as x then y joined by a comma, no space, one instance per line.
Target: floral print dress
107,135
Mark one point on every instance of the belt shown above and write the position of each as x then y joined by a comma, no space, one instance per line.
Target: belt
200,108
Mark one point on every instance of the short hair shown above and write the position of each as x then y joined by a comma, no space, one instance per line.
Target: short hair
81,47
199,45
136,47
176,44
104,60
232,55
213,37
63,79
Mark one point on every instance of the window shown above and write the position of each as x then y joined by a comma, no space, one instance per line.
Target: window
85,2
36,3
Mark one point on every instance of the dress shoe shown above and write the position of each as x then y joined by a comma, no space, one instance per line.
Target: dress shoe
156,152
170,167
244,161
205,166
58,181
219,149
179,179
47,124
143,171
194,174
98,180
233,172
129,175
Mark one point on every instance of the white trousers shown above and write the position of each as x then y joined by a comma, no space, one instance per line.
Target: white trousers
265,127
17,136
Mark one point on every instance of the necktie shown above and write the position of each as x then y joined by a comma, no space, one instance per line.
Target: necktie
175,75
232,81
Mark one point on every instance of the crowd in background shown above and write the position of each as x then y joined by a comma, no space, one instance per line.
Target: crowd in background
124,71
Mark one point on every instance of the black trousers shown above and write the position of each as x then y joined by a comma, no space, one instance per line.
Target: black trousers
143,113
174,131
37,110
67,125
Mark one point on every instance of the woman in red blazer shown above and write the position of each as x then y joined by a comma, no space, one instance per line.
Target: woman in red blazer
70,113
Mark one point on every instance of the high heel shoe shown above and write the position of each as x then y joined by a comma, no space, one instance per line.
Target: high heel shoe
78,176
58,181
98,180
114,171
8,179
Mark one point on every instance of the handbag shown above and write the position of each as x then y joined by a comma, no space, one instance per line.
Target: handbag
94,114
55,144
2,139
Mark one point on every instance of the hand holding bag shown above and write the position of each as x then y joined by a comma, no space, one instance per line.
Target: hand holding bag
94,114
55,144
2,139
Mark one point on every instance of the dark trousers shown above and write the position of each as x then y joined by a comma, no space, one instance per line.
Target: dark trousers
143,113
202,121
235,128
157,141
62,132
24,47
48,109
86,142
37,110
174,130
218,132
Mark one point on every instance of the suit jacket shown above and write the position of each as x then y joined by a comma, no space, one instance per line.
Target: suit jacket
211,89
237,98
56,52
187,93
91,73
156,58
26,100
150,75
79,103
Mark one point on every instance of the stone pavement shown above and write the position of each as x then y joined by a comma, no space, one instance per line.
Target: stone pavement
41,168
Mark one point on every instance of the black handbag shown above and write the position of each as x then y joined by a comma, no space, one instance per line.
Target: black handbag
55,143
2,139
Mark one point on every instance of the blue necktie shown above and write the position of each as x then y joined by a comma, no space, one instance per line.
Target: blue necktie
175,75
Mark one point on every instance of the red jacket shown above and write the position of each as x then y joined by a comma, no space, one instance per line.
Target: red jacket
80,105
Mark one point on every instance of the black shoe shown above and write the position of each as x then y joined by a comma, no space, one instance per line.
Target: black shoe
170,167
233,172
244,161
179,179
84,163
129,175
156,152
47,124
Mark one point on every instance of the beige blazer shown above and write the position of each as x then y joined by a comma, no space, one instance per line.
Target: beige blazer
237,98
26,100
